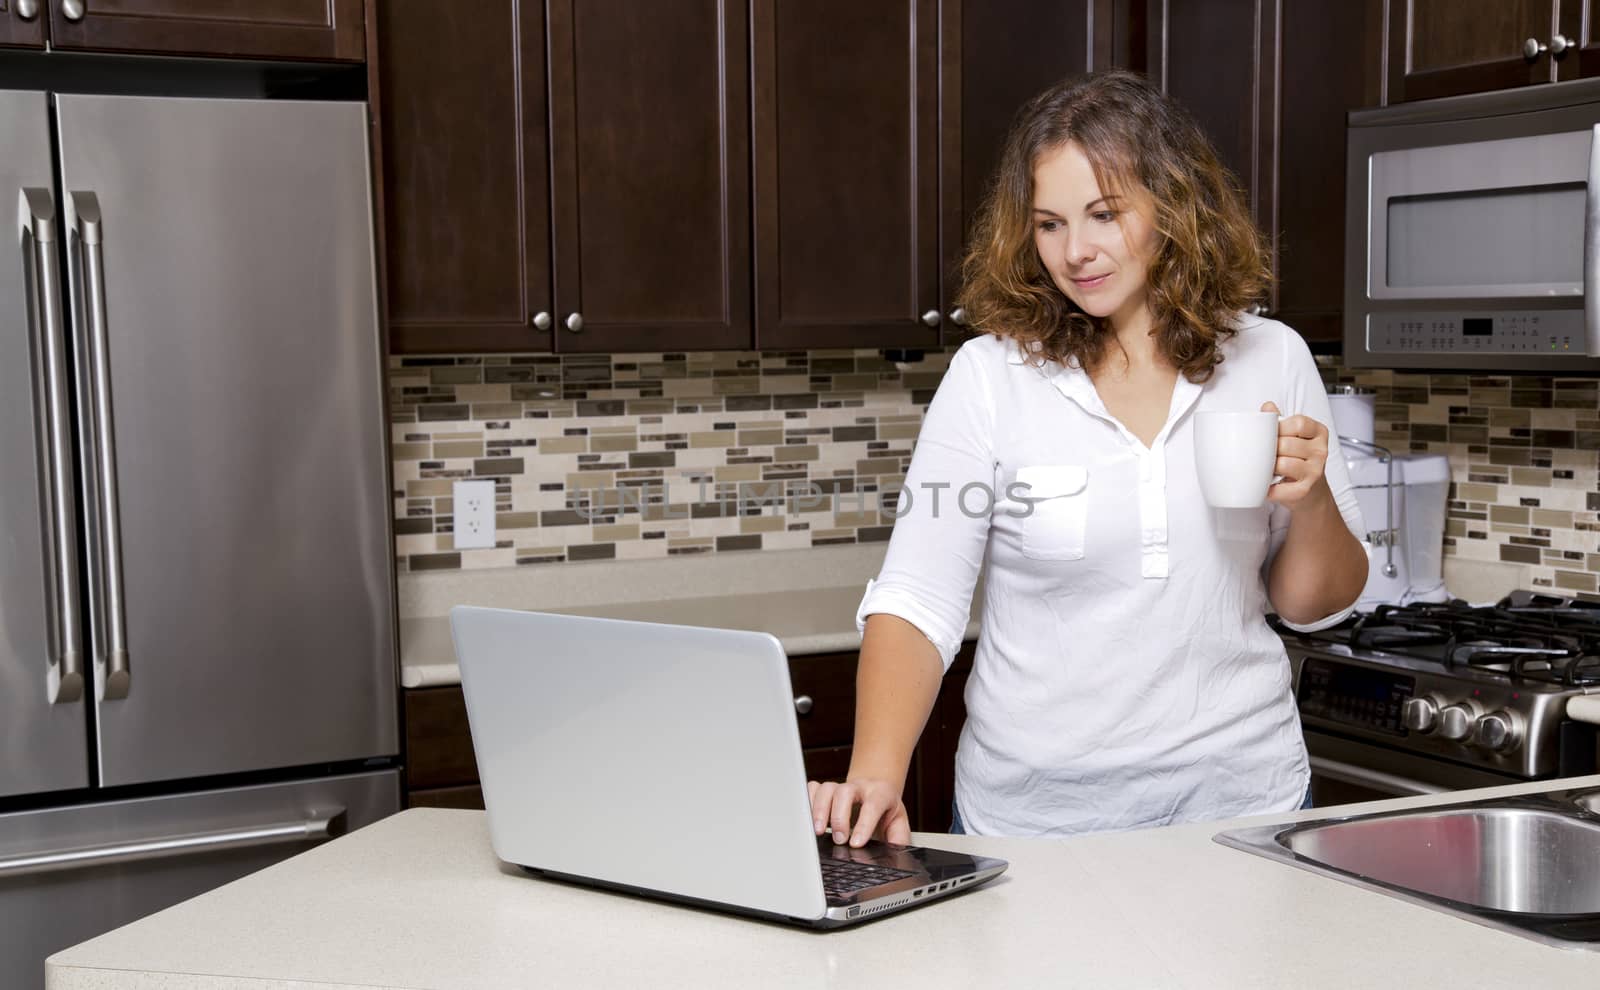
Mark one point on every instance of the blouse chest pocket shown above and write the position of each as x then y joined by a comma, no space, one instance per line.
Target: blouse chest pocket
1059,498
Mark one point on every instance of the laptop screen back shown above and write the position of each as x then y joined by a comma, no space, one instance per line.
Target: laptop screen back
654,756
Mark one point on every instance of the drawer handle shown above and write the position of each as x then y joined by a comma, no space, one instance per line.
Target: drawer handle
802,704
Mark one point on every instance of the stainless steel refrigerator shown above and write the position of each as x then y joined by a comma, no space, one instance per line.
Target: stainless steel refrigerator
197,656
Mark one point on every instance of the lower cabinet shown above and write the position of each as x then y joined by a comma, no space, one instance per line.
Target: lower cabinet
441,771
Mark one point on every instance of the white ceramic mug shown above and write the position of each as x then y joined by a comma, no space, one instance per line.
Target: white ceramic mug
1234,455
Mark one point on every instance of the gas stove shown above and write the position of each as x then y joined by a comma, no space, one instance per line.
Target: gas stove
1480,686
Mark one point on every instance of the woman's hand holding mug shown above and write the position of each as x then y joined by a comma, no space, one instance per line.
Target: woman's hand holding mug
1302,456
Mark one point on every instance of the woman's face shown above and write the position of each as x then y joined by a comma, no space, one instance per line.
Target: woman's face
1096,247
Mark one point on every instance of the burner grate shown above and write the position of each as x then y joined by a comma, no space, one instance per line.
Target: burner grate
1522,636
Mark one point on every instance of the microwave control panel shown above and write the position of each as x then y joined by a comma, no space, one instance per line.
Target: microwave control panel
1544,331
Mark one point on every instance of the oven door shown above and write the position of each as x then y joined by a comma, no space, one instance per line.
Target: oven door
1346,771
1471,237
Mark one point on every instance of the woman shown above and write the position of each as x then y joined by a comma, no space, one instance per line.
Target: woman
1125,675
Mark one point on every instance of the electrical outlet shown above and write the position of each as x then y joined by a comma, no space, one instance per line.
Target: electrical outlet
474,514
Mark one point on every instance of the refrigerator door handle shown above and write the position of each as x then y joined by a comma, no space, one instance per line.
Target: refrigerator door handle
37,219
115,674
318,826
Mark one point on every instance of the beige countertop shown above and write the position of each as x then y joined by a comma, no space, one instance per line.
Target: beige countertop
419,900
806,598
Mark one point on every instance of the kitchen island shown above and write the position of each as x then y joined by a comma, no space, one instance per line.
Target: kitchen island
419,900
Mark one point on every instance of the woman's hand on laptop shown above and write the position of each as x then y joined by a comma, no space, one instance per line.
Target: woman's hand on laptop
882,814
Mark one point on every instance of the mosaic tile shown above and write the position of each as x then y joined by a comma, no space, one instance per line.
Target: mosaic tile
651,455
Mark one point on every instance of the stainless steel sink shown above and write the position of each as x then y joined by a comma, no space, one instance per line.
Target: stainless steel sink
1529,865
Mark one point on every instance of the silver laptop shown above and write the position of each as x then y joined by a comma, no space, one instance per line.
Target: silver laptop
665,760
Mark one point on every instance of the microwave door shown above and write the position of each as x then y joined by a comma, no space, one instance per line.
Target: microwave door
1493,220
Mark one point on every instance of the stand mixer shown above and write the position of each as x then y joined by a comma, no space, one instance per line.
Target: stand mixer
1402,499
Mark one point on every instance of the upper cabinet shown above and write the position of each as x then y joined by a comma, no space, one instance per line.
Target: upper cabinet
859,233
995,55
594,200
460,100
1270,83
846,178
650,166
1451,47
22,23
696,174
329,30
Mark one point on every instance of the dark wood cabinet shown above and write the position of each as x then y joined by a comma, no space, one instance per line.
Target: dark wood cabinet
1450,47
326,30
22,26
846,184
570,175
1270,82
442,772
465,174
584,188
649,136
995,55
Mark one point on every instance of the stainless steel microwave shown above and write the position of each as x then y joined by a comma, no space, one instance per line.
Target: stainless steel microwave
1471,233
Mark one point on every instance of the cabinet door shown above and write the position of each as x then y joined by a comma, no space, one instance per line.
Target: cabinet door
1317,89
465,175
1448,47
846,180
19,31
1578,24
1278,123
1219,59
649,141
289,29
995,55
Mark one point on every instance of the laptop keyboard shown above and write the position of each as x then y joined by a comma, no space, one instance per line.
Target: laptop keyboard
842,877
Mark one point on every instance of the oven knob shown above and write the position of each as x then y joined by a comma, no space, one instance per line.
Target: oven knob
1498,732
1456,722
1420,714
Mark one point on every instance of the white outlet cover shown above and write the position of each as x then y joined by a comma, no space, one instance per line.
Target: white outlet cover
474,515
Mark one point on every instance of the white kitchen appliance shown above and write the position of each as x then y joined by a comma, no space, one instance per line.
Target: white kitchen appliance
1402,499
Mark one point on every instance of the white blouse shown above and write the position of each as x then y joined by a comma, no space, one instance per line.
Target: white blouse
1125,676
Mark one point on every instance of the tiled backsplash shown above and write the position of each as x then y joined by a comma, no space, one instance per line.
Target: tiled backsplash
650,455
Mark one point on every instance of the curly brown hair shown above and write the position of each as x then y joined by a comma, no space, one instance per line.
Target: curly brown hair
1210,261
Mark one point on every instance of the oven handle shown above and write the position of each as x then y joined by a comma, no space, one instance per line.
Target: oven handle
1591,250
1349,773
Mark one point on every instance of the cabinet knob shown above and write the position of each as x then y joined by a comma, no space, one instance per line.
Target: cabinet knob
575,322
27,9
1256,309
72,10
931,317
541,320
958,316
802,704
1559,43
